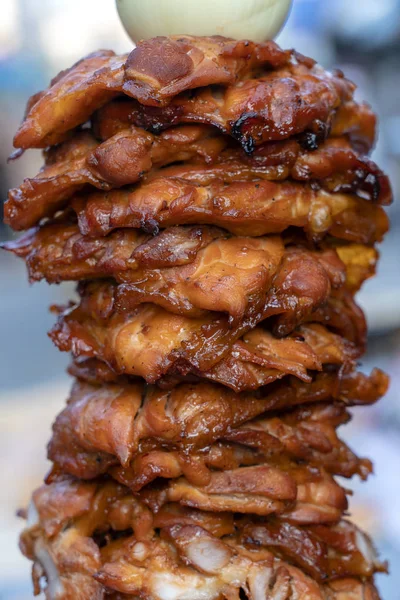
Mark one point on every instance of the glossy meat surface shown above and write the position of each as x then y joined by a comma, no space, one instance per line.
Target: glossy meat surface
186,270
295,99
175,343
243,208
193,555
356,122
154,433
267,105
153,344
123,159
132,152
216,203
160,68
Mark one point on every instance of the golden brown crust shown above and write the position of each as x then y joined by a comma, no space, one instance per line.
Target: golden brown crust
243,208
215,200
160,68
142,428
196,552
132,153
297,97
177,344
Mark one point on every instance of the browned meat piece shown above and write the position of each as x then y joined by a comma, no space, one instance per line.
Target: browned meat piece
128,155
71,99
292,100
258,358
246,208
353,389
335,167
356,122
182,269
120,419
216,202
59,252
121,160
185,269
160,68
134,426
301,495
323,552
297,97
307,434
150,342
195,553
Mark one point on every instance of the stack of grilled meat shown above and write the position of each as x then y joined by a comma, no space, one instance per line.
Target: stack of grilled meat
216,202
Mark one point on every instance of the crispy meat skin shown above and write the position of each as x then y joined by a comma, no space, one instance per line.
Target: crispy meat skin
216,202
134,426
153,344
185,269
276,105
296,97
131,153
160,68
243,208
181,269
121,160
302,284
356,122
193,553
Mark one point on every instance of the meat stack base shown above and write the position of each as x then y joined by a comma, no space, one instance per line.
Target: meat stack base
217,204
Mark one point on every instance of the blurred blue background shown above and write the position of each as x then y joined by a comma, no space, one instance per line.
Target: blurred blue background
38,38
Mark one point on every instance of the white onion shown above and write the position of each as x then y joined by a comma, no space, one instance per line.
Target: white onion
54,588
208,556
256,20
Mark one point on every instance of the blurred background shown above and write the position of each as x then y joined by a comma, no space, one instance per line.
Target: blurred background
38,38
